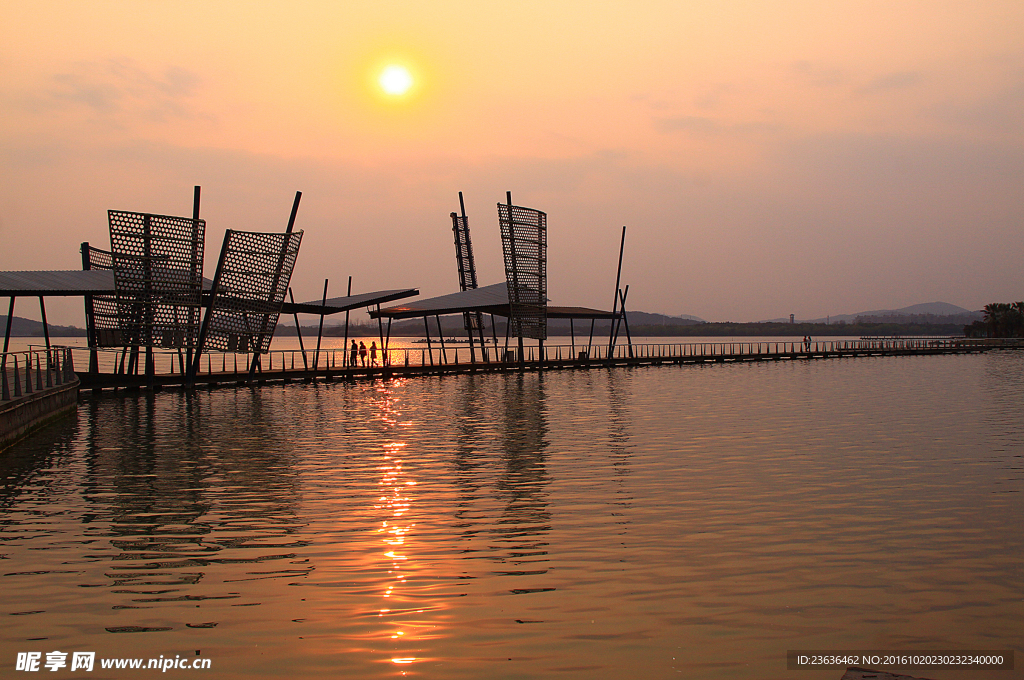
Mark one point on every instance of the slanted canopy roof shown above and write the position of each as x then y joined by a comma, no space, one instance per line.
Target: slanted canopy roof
81,282
578,313
344,303
491,299
76,282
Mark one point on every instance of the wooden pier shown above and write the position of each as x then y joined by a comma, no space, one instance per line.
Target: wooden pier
295,366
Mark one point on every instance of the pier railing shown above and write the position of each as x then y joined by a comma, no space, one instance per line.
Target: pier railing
34,370
114,366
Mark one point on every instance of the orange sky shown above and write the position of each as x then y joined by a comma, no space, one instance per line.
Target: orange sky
768,158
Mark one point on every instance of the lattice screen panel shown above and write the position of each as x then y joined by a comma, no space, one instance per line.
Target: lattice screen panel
104,307
524,241
252,280
158,274
472,321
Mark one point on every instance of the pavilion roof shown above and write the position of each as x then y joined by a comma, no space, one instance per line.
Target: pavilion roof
492,299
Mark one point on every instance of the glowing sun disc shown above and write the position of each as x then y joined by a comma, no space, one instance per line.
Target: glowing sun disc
395,80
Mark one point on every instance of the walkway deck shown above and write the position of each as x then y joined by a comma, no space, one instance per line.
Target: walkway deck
288,367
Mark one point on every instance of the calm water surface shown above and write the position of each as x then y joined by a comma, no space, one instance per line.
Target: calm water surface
691,521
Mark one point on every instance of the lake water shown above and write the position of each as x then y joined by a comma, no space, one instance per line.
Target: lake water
675,521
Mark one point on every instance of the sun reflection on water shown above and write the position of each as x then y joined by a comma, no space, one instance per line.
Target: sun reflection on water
394,503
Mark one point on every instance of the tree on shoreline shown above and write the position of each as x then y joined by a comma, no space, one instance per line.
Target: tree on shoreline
1002,320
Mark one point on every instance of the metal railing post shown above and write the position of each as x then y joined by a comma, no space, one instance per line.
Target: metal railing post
17,379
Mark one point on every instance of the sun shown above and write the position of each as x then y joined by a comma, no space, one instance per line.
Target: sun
395,80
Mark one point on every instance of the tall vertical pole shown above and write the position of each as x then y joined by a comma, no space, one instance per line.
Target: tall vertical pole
295,211
380,333
46,327
477,316
625,320
465,284
90,321
440,332
149,299
430,350
515,273
10,318
276,281
618,277
205,327
298,330
347,354
320,332
3,361
196,266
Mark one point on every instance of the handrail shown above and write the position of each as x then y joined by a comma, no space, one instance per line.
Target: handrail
52,367
281,361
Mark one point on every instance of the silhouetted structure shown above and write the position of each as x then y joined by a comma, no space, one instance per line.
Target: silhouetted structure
524,241
472,321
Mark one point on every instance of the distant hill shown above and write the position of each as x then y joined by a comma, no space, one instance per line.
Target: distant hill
649,319
927,314
27,328
452,325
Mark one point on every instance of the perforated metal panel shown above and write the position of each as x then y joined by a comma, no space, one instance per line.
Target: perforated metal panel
104,307
524,241
467,267
158,274
251,282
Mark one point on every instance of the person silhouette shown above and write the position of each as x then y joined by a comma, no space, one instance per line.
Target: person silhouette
353,354
362,353
373,353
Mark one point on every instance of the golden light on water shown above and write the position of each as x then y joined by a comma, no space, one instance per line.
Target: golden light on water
395,80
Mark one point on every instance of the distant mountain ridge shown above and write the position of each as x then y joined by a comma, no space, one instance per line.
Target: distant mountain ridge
27,328
926,313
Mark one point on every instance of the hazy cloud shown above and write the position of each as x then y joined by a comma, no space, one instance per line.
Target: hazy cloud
817,75
705,126
1000,113
119,87
892,81
695,124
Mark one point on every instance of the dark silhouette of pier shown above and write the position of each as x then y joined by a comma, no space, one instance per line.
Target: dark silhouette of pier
290,366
